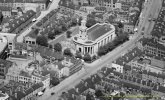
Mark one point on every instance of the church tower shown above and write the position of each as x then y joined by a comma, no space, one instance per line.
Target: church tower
83,30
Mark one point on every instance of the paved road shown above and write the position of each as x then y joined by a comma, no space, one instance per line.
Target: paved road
52,6
92,68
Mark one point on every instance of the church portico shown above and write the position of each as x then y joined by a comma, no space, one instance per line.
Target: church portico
89,40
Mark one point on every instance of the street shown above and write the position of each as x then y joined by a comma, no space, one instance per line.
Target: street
52,6
71,81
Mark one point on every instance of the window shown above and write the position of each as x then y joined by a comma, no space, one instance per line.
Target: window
80,49
33,42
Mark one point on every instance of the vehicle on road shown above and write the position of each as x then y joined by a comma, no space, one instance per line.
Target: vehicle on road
52,93
34,20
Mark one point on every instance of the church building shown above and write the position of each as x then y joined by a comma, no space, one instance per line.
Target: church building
89,40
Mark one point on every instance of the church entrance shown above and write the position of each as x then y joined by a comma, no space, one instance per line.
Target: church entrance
80,49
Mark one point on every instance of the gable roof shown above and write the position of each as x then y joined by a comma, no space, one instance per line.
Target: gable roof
98,30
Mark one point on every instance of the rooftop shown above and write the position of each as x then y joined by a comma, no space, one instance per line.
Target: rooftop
22,19
159,26
44,51
98,30
4,8
152,42
129,56
68,4
23,1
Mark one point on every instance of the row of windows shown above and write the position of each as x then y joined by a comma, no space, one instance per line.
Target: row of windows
103,42
30,42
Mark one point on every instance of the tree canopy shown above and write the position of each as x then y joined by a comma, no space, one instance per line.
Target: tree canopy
68,34
42,40
90,22
68,52
58,47
87,57
78,55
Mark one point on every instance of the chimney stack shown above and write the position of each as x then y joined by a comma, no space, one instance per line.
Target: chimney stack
77,89
86,84
133,54
15,95
56,66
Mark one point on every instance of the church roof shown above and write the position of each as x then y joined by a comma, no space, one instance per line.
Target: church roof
98,30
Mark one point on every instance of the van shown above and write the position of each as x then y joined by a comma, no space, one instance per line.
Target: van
34,20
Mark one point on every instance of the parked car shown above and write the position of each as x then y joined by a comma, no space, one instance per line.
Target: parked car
52,93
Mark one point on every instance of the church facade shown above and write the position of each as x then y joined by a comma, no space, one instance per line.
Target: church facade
89,40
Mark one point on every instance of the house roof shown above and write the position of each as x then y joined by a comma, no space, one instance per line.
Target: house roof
25,74
129,56
4,8
98,30
152,42
68,4
159,26
44,51
22,19
23,1
33,33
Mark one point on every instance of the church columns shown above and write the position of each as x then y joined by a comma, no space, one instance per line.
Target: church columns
88,49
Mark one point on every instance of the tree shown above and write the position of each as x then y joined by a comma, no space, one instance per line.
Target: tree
42,40
54,81
68,52
94,57
99,93
79,21
78,55
90,22
50,46
74,22
111,46
89,97
120,25
68,34
58,47
102,50
57,31
64,28
51,35
87,57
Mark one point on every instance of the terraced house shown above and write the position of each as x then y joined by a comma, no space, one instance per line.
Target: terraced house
18,24
22,91
14,4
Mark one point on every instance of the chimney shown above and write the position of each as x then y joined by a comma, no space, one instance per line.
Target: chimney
27,86
70,60
127,57
72,95
133,54
157,87
77,89
13,25
92,79
86,84
15,95
56,66
11,89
